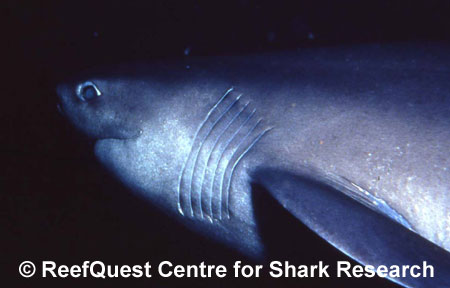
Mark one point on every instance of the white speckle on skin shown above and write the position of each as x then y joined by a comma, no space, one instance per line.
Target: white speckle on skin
187,51
416,208
440,236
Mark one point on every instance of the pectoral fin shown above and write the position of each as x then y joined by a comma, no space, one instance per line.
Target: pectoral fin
370,235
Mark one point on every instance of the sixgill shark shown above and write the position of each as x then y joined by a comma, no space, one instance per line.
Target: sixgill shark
353,141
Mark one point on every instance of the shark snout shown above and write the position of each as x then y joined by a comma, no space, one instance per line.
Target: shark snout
59,89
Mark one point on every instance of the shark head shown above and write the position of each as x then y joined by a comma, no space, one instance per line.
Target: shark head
173,143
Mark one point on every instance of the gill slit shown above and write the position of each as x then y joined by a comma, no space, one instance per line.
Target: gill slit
220,159
216,142
200,149
227,207
183,170
228,164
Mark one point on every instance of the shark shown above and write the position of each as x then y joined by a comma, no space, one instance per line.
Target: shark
351,141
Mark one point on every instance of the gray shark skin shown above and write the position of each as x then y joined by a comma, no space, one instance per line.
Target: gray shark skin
353,141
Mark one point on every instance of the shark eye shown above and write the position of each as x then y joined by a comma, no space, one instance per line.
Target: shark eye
87,91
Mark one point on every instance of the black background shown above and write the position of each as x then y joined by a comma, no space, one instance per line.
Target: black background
57,203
